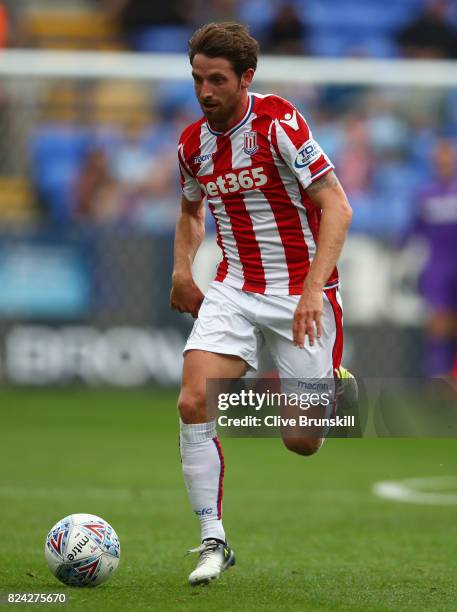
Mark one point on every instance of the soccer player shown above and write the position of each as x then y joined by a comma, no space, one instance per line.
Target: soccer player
436,223
281,218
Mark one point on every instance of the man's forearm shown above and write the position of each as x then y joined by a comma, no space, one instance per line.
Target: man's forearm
328,194
190,231
332,233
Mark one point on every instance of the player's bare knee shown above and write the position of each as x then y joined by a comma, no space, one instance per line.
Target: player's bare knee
192,406
302,446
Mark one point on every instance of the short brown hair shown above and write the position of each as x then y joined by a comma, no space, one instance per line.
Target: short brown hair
230,40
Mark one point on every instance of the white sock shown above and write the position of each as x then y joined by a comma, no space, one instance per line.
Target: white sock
203,467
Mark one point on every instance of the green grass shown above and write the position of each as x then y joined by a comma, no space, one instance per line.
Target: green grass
308,533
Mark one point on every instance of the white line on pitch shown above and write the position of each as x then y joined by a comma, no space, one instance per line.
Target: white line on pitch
432,491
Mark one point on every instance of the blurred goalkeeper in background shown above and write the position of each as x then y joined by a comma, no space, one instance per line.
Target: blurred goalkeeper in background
436,223
281,217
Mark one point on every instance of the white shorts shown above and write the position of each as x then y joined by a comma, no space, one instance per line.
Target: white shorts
236,322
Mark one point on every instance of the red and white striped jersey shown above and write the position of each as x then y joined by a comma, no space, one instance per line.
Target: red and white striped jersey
254,177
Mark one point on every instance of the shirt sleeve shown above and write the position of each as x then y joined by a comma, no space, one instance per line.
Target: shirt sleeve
190,187
295,145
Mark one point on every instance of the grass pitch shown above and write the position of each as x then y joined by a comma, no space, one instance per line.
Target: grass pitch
308,532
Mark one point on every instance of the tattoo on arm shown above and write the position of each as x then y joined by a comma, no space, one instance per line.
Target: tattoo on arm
328,180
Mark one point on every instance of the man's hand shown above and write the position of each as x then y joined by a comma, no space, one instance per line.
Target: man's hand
327,194
308,315
185,296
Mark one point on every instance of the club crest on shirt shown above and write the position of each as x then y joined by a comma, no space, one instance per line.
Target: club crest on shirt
250,143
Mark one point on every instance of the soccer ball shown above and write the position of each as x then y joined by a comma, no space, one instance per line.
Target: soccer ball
82,550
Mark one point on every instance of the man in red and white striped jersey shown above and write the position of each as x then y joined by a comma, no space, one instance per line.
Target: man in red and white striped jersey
281,218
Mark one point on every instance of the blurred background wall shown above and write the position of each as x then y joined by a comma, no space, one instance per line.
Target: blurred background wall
89,192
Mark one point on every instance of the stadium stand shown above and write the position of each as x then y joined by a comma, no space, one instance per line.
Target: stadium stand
71,29
380,177
16,200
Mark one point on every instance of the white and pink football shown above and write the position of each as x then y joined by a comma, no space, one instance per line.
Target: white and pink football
82,550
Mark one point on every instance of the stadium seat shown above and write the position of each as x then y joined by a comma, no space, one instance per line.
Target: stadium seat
118,101
16,200
172,97
70,29
352,42
56,154
349,27
162,39
105,137
326,45
259,15
371,16
452,107
59,102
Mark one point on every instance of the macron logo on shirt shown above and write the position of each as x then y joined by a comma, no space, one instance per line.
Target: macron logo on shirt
291,120
198,159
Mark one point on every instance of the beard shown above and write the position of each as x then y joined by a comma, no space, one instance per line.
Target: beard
223,113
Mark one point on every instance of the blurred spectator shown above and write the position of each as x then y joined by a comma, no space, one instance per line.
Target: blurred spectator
216,11
355,161
97,197
430,36
437,224
131,184
4,99
134,14
3,26
454,371
286,33
136,17
11,23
